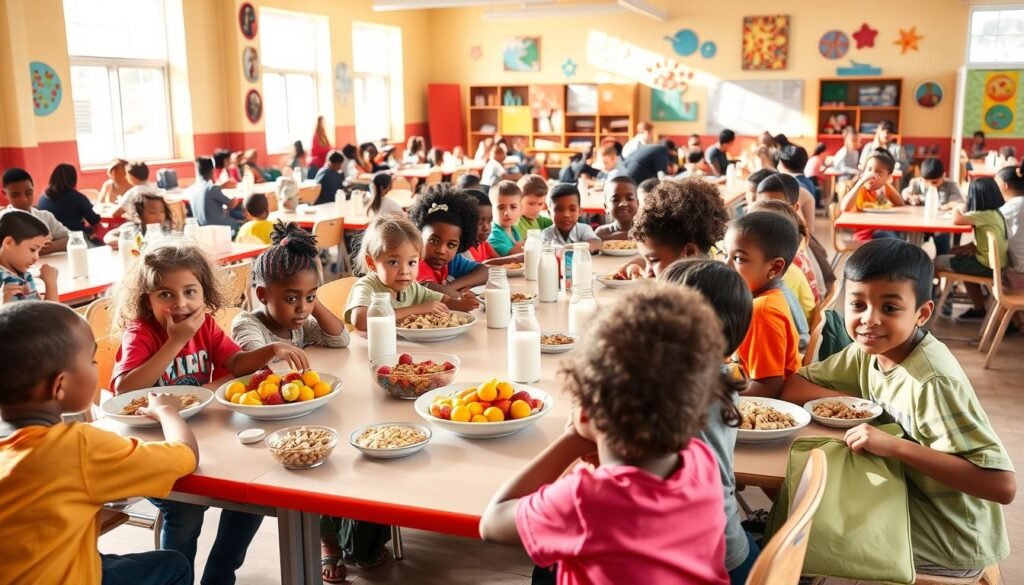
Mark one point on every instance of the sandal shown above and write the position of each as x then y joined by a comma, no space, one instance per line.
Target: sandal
329,567
380,560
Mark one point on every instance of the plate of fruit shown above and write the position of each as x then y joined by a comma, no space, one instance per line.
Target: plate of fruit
617,280
405,375
278,395
484,410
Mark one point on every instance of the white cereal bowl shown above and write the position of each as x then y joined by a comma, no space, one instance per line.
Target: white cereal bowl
558,348
438,334
113,406
800,416
488,430
844,423
612,283
619,252
397,452
279,411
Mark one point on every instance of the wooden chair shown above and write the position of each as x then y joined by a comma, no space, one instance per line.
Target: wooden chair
98,315
225,316
841,247
92,194
334,295
812,344
178,213
309,194
457,175
1004,305
272,204
239,277
330,233
401,184
434,178
106,353
782,559
990,576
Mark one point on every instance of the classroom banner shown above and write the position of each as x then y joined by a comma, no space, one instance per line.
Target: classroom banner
994,103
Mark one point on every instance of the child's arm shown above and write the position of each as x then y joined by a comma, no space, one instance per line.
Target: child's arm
150,371
766,387
961,218
800,390
48,274
475,278
164,409
503,260
849,201
594,243
954,471
329,322
465,301
448,291
498,523
894,197
247,362
58,245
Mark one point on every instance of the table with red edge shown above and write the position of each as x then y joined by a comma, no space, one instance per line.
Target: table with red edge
908,218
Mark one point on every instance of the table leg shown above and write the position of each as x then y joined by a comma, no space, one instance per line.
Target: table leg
916,238
299,543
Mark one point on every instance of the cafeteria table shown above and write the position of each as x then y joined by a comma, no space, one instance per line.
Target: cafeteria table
908,218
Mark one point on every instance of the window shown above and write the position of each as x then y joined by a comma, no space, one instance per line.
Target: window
296,66
377,82
118,52
996,36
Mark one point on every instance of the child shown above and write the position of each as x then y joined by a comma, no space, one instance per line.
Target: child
694,161
717,155
482,252
22,237
469,181
727,294
978,148
873,190
506,200
535,194
259,228
63,200
621,203
209,204
644,187
494,171
803,262
20,192
447,219
760,246
138,177
117,183
1011,184
564,202
815,168
1007,157
221,157
885,139
148,206
792,160
957,469
654,472
414,151
982,211
389,256
611,162
376,200
330,178
847,160
58,475
298,161
933,175
753,180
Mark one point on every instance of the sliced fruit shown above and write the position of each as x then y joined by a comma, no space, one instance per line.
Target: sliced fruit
505,390
311,378
321,389
494,414
237,397
251,398
234,388
471,397
461,414
258,378
536,404
520,409
521,395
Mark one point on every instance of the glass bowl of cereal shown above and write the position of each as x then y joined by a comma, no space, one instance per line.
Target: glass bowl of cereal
409,375
302,447
390,440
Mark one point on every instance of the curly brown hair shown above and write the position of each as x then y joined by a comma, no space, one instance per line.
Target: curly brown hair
654,405
681,212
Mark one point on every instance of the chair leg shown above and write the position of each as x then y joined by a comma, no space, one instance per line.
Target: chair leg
999,337
396,543
158,525
991,306
948,288
995,314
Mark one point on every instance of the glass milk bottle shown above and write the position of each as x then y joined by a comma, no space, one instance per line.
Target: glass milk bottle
381,337
497,298
582,265
154,233
78,255
191,229
931,202
126,246
582,308
523,344
547,275
531,253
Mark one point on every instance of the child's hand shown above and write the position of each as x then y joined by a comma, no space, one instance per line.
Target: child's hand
433,307
48,274
865,438
517,248
295,357
185,329
467,302
871,181
161,405
11,291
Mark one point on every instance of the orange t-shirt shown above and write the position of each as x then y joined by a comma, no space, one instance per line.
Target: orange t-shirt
865,196
771,346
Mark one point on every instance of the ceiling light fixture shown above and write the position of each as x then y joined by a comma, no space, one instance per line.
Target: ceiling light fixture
393,5
549,11
642,7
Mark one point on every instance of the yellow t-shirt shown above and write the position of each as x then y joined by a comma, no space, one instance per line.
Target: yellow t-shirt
797,282
53,481
259,229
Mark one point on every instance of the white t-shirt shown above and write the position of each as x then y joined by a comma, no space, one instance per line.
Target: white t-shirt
57,229
493,172
1013,212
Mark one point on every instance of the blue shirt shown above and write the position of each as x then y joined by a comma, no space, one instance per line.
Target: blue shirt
70,208
330,181
500,241
12,278
460,266
806,183
208,201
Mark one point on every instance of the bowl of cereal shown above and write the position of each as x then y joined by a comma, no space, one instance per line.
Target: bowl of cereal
616,280
390,440
408,375
435,326
842,412
618,248
513,268
302,447
767,419
557,342
127,408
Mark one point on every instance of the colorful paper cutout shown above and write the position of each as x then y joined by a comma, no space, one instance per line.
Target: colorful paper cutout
569,67
475,52
253,106
865,36
684,42
251,64
993,103
765,42
928,94
855,69
834,44
999,117
668,74
708,49
1000,88
908,40
522,54
247,21
46,88
668,106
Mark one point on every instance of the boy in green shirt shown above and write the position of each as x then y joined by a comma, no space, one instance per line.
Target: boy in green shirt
535,195
957,470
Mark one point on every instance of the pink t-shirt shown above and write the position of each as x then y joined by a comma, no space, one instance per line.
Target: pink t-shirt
624,525
201,360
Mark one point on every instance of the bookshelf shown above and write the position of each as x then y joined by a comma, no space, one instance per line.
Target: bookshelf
865,101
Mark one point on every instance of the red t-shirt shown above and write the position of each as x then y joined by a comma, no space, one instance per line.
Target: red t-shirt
201,360
428,274
483,251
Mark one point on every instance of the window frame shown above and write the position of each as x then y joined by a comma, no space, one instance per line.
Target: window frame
970,37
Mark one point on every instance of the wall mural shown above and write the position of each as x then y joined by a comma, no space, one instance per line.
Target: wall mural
865,36
765,42
46,88
521,54
993,103
908,40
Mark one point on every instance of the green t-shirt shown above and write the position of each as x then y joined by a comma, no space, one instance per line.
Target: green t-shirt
539,223
369,284
985,222
930,397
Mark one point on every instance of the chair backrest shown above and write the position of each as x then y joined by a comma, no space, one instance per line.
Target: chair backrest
178,213
434,178
239,277
457,175
815,340
92,194
401,183
334,295
98,315
997,268
225,316
106,352
329,232
272,204
309,193
782,559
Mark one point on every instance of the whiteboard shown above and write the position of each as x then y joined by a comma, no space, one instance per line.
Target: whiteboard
751,106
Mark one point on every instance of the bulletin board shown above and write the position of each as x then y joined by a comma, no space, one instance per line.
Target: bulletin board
750,107
994,102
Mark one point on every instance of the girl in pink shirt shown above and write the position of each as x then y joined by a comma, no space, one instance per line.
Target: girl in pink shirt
652,511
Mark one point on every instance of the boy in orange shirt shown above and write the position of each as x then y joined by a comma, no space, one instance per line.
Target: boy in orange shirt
760,246
873,191
55,477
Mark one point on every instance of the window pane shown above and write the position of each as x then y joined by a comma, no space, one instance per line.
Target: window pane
302,110
275,111
984,22
94,114
370,49
983,49
1010,49
133,29
1011,22
373,108
288,40
144,113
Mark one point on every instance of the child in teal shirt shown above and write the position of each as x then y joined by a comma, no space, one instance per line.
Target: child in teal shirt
506,200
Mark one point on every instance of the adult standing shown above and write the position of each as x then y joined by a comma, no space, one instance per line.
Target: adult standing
652,161
319,148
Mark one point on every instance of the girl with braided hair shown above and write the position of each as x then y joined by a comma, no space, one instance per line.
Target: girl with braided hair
447,219
287,276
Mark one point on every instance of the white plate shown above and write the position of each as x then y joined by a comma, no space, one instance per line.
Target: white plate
438,334
801,416
113,406
626,252
610,283
478,291
488,430
279,411
842,423
882,210
558,348
390,453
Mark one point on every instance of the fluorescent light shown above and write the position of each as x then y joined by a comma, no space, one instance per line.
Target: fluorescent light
390,5
642,7
552,10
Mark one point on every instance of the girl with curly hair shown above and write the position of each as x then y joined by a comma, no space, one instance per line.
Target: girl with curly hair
447,219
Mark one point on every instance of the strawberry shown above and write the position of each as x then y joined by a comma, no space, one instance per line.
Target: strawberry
521,395
383,370
427,363
405,359
448,366
258,378
446,412
291,377
503,406
273,399
485,405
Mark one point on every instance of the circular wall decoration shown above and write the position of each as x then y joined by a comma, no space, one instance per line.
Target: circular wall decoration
999,117
708,49
1000,88
253,106
684,42
46,88
929,94
833,44
251,64
247,20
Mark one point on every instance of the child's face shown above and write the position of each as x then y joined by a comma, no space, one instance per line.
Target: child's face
934,182
290,301
609,161
153,211
178,295
440,243
483,227
882,316
623,204
20,194
117,173
22,256
875,166
397,268
498,154
533,205
744,255
80,380
883,136
658,256
508,209
567,212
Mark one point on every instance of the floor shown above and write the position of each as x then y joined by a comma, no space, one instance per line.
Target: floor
432,558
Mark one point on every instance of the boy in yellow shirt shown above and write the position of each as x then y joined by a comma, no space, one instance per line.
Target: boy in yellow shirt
258,228
55,477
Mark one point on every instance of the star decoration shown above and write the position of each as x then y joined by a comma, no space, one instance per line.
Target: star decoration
569,67
865,36
908,40
475,52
